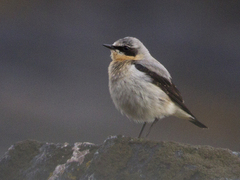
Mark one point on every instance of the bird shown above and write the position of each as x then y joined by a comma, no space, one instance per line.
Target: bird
141,87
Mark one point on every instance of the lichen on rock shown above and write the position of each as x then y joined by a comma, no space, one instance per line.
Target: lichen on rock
118,158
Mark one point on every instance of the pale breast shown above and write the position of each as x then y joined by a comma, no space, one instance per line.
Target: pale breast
135,96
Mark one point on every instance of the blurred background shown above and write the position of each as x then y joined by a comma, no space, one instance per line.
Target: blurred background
53,68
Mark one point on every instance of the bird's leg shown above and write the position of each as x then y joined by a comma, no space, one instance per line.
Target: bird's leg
144,124
154,122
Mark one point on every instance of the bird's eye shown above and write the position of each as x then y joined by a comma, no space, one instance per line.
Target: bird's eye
126,48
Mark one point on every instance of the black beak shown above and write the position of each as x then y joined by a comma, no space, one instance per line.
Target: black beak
109,46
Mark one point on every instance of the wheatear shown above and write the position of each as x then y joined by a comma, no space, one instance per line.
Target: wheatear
141,87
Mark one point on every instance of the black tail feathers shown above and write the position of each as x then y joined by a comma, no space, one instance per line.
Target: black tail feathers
198,123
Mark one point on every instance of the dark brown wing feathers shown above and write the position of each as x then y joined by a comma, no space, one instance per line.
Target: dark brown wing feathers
170,89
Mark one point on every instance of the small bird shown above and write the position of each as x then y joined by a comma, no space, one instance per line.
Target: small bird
141,87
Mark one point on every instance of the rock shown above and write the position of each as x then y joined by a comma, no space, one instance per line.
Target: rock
118,158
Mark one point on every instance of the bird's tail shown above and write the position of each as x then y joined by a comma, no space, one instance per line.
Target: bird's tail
197,123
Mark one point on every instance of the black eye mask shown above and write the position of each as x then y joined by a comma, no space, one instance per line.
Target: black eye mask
127,50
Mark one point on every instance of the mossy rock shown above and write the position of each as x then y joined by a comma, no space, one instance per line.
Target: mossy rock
118,158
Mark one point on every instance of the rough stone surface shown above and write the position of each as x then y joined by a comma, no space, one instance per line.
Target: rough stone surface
118,158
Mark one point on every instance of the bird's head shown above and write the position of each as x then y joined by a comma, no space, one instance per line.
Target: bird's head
128,48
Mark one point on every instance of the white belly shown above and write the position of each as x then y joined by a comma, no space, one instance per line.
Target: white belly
139,99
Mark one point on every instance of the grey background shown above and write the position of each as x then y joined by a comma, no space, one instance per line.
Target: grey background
53,68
